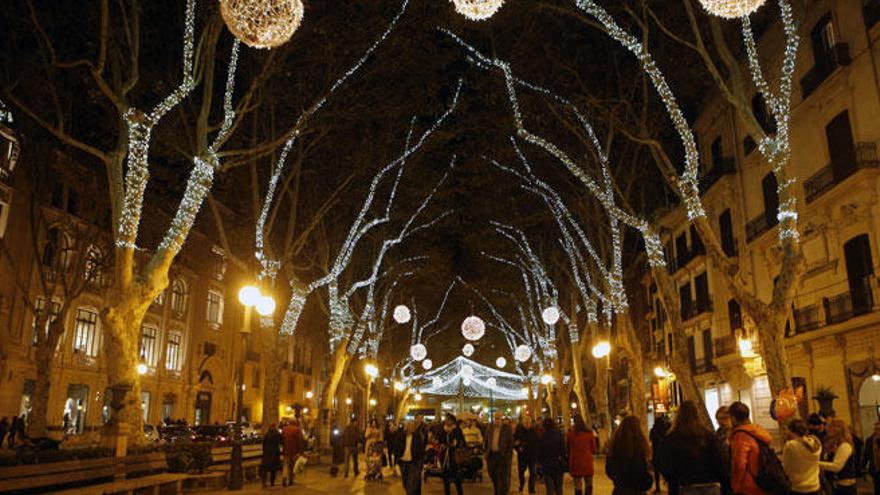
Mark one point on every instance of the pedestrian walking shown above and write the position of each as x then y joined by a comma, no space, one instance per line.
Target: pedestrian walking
800,458
16,429
839,459
4,428
270,463
499,453
351,440
745,451
871,457
552,457
337,450
657,435
581,447
410,452
691,458
294,446
451,440
391,433
627,462
525,439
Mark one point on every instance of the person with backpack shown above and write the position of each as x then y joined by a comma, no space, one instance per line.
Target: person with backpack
755,468
839,458
691,458
800,458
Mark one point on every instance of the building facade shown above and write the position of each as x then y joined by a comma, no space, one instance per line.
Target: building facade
833,332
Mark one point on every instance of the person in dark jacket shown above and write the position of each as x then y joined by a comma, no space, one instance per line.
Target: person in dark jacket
691,457
451,439
552,457
525,440
410,452
657,435
337,448
351,439
627,460
271,461
499,453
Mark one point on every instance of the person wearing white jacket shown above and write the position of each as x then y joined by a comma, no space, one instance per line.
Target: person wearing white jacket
800,458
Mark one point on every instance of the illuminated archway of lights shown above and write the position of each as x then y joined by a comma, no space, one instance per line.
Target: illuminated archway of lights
262,23
477,10
481,381
731,9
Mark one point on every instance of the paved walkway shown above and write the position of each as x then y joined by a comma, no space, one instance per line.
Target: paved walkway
317,481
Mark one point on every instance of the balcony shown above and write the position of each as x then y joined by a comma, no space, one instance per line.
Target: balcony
825,65
703,365
841,307
825,179
725,346
725,166
760,224
806,319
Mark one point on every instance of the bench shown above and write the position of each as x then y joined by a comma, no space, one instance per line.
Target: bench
251,458
104,475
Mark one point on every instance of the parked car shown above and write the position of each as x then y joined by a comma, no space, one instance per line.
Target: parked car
213,433
176,433
248,432
151,433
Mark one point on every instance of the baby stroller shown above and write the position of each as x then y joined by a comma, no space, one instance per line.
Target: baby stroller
374,461
470,463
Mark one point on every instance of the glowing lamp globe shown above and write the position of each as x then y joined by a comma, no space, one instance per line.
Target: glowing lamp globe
418,397
550,315
398,386
262,23
477,10
427,364
501,362
249,295
402,314
437,382
601,349
142,369
473,328
492,382
522,353
467,371
418,352
468,350
731,9
266,306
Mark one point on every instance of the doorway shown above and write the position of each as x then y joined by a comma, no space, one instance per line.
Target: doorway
869,404
75,409
203,409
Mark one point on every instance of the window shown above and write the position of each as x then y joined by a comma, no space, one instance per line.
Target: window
178,297
145,405
215,308
94,271
172,351
684,296
859,267
822,41
39,308
219,268
681,250
771,198
725,224
147,349
256,378
701,286
734,316
57,250
160,299
707,345
697,247
85,332
841,149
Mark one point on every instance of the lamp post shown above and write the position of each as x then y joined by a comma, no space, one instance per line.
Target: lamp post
372,372
602,349
250,297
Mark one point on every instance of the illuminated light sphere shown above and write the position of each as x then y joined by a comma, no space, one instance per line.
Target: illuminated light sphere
398,386
266,306
309,394
249,295
550,315
418,352
402,314
473,328
574,405
501,362
522,353
418,397
477,10
731,9
437,382
492,382
467,371
601,349
468,350
262,23
546,379
142,369
427,364
371,370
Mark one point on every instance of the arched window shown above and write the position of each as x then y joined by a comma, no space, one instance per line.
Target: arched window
57,251
179,295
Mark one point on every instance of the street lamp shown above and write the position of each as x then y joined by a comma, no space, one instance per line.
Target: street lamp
602,349
372,372
309,395
250,297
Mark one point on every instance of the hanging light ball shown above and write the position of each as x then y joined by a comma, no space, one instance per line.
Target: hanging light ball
262,23
418,352
467,371
731,9
492,382
522,353
477,10
427,364
402,314
550,315
468,350
501,362
473,328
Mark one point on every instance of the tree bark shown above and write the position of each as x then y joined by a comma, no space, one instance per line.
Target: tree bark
341,359
578,385
38,420
273,352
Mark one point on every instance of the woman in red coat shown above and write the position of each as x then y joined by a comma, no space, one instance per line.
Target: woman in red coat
581,445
